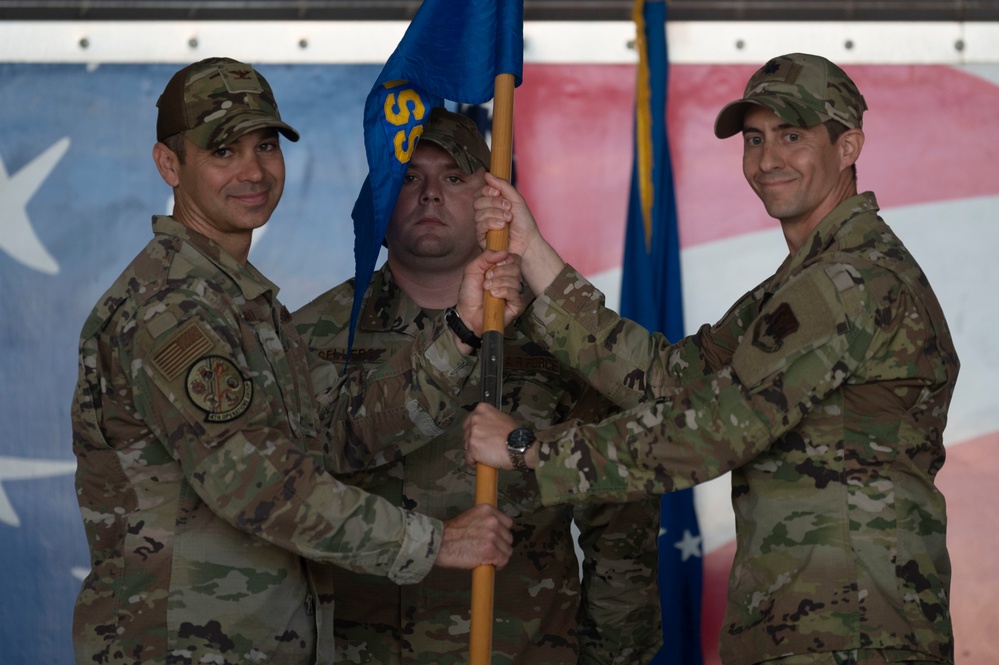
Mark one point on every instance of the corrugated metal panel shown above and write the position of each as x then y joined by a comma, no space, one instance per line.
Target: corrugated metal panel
534,10
545,42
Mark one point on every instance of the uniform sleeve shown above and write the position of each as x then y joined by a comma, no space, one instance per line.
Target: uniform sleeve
805,342
209,392
374,416
619,615
619,618
620,358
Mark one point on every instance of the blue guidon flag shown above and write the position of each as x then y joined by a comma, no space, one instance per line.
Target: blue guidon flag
453,50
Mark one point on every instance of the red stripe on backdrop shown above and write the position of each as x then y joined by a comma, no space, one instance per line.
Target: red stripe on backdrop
930,137
575,125
717,565
968,481
573,138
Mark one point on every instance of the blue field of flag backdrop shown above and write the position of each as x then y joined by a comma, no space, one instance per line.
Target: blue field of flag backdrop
76,144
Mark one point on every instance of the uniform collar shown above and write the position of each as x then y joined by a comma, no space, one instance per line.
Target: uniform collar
830,231
250,280
387,308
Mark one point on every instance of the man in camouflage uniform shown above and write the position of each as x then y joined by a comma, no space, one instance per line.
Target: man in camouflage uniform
542,614
201,446
824,390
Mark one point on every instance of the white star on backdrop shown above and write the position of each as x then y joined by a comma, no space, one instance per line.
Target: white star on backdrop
17,237
18,468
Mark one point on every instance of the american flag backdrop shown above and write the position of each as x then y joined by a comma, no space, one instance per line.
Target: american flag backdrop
78,187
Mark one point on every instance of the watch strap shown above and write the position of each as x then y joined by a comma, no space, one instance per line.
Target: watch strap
517,443
459,328
517,457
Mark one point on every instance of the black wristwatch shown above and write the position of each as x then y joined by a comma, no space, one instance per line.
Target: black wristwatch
517,444
459,328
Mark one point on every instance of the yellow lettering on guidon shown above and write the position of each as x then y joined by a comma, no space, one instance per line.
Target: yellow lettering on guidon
404,147
398,113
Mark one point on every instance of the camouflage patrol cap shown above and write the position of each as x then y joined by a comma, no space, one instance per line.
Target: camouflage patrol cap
802,89
458,135
215,101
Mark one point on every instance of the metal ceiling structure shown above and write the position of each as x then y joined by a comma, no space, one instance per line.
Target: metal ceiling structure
534,10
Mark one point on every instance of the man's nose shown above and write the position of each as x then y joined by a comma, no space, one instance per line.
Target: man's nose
251,168
430,193
770,157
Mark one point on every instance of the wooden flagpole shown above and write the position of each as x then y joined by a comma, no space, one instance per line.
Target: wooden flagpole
491,364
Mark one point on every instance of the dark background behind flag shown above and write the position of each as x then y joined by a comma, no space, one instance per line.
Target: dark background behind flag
651,294
573,135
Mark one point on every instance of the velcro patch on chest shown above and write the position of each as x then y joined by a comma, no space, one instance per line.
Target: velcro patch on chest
798,319
773,327
216,386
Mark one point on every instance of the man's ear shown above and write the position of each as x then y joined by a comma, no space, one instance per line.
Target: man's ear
851,143
166,163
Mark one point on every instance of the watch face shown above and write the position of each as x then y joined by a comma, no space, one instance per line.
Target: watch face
520,438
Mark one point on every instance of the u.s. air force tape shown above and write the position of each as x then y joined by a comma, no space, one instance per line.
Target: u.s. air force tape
216,386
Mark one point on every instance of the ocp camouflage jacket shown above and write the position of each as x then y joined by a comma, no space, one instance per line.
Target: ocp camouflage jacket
201,476
542,613
824,391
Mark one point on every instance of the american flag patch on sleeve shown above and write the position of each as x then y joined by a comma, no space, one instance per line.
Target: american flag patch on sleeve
189,344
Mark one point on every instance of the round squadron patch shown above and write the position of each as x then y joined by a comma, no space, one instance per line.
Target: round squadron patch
216,386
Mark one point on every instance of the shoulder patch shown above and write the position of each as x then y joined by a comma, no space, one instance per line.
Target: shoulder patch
773,327
216,386
798,319
178,352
